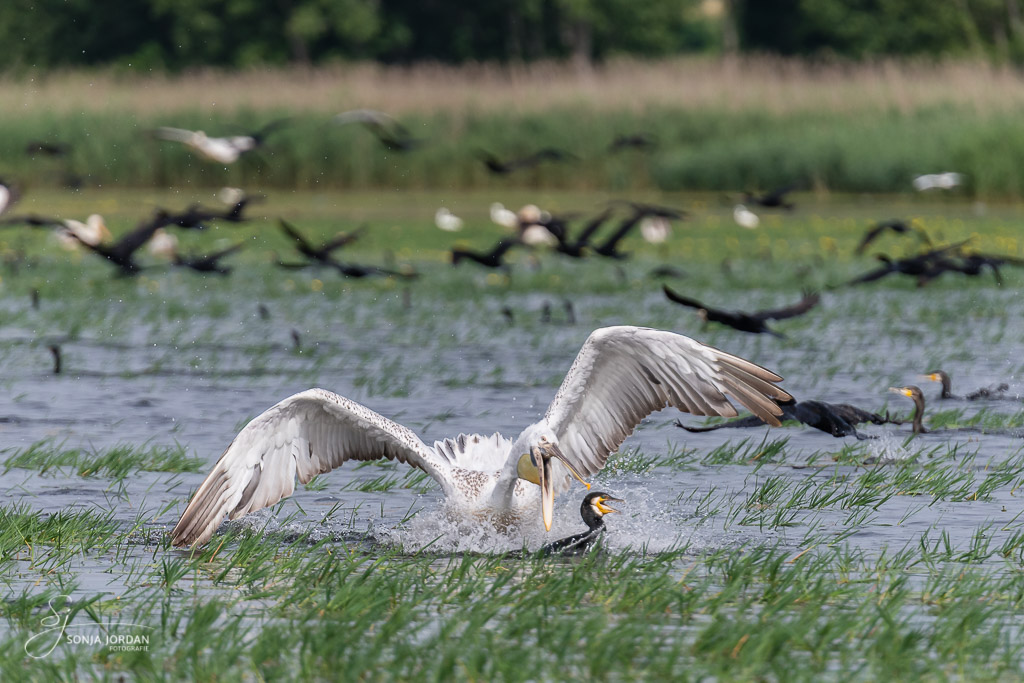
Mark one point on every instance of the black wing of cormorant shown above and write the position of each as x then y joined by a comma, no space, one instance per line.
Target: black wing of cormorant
809,301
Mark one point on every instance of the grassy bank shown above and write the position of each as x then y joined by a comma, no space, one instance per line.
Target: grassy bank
720,126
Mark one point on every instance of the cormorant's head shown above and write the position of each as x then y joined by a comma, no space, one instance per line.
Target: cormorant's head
536,467
594,507
596,501
910,391
940,376
914,393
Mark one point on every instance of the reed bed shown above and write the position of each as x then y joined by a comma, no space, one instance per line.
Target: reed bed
764,84
721,125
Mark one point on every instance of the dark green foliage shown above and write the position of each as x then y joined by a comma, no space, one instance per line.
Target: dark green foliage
874,28
177,34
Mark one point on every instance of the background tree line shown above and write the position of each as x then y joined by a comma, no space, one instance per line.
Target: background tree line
178,34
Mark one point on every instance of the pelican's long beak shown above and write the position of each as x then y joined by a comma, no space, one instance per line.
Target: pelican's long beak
542,457
547,488
556,452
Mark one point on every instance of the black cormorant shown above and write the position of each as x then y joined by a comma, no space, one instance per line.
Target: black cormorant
837,419
593,510
994,392
746,322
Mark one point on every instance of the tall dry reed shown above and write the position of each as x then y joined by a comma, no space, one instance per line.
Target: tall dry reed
769,84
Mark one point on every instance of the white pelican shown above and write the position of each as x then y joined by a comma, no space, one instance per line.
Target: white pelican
745,218
938,181
447,221
621,375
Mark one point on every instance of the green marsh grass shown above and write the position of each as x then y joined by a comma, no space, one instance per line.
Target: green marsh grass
115,463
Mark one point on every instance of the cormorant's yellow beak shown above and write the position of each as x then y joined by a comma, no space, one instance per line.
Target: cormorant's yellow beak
934,377
604,508
901,390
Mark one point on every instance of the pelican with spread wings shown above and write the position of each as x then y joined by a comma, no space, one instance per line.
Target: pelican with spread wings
620,376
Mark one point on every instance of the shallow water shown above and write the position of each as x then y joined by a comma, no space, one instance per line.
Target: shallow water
190,362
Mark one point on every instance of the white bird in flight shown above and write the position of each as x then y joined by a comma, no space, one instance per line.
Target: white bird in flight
447,221
225,150
620,376
745,218
938,181
8,195
506,218
73,234
655,229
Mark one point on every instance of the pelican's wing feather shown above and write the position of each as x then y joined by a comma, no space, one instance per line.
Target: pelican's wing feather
623,374
304,435
475,452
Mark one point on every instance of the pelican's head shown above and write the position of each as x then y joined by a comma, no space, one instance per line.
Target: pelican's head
535,467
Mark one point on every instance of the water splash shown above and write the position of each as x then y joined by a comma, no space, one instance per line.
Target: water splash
646,522
888,450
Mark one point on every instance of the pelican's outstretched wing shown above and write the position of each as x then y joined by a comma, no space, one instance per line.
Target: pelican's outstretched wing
623,374
306,434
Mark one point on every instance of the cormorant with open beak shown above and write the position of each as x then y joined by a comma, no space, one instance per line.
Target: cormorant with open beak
593,509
